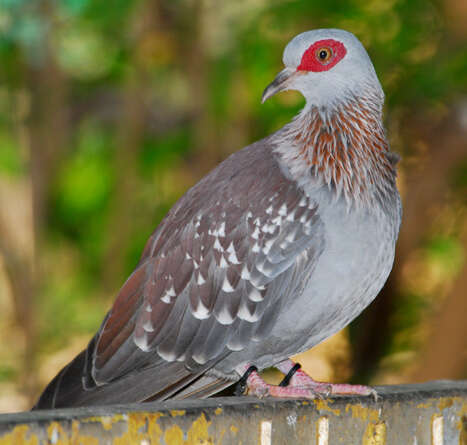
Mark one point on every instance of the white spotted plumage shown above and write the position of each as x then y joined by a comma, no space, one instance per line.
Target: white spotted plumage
281,245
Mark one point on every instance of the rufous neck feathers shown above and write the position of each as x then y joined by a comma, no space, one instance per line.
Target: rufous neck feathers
343,147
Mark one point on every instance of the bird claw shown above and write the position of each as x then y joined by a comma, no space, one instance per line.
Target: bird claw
259,392
304,387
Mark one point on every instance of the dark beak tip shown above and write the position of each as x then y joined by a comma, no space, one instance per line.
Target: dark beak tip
266,94
278,84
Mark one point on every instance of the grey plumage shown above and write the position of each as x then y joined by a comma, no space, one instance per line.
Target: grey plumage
265,257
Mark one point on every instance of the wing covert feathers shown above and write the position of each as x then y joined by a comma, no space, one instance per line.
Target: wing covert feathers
212,278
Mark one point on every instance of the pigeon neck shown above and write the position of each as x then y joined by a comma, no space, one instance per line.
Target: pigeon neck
343,147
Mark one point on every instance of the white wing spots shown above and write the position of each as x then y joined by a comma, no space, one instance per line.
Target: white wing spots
142,342
168,356
223,263
201,312
277,220
166,298
303,218
267,245
217,245
224,317
232,254
148,327
269,210
245,274
283,210
307,229
255,234
255,295
244,314
219,231
222,229
227,286
148,308
255,248
200,280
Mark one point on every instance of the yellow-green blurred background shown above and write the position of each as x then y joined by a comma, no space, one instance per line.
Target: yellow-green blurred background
111,109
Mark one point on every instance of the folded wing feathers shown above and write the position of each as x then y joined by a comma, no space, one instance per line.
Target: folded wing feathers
223,282
213,277
211,286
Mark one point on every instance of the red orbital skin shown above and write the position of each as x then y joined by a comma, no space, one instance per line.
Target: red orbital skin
311,62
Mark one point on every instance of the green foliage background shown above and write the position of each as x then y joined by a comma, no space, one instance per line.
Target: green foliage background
109,111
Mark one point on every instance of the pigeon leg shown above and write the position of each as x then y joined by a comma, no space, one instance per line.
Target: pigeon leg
301,379
258,387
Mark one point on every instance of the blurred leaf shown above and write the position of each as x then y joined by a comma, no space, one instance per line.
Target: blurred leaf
7,373
160,154
84,183
10,159
447,254
459,179
75,6
84,53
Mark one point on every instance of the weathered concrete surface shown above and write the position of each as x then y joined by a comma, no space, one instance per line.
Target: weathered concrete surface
425,414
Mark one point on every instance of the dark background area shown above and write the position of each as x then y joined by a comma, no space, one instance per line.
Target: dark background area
110,111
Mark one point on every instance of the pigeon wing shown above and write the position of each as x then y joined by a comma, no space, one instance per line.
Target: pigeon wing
212,278
215,273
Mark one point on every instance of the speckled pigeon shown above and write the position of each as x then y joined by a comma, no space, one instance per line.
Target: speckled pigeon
277,248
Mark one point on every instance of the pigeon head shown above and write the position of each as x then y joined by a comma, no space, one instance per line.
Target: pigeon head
327,66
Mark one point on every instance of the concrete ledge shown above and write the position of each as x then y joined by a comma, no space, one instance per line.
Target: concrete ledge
424,414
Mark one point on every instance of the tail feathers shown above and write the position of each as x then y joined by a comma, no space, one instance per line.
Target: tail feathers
66,385
158,381
205,386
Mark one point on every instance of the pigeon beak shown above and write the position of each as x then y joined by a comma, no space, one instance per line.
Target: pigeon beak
280,83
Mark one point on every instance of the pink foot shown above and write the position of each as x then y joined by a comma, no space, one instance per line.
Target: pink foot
258,387
302,380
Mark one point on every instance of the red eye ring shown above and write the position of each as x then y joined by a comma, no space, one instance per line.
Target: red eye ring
311,60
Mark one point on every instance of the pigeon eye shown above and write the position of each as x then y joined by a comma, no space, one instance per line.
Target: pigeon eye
323,54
